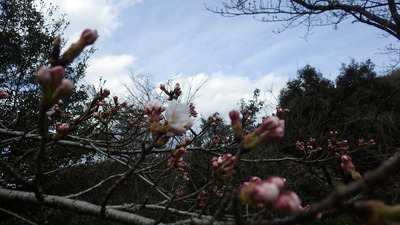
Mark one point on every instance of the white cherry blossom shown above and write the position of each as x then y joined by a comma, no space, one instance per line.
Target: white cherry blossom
177,115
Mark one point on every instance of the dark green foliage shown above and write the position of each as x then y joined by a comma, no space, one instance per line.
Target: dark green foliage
309,99
26,35
27,32
359,105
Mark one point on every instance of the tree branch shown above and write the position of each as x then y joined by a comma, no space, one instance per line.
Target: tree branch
76,206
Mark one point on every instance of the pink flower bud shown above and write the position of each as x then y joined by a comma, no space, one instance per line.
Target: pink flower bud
222,166
279,182
269,123
264,192
273,134
66,86
162,87
202,193
170,161
153,106
3,94
347,164
234,115
300,145
106,92
179,152
288,202
254,179
57,74
214,161
182,165
43,75
62,128
271,128
185,176
88,37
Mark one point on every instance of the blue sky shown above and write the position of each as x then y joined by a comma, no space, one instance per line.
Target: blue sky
181,39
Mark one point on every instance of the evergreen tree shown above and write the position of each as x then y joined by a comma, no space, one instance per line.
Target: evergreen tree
27,31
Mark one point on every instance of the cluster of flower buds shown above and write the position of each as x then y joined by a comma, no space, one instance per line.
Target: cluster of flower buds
339,147
61,129
307,146
98,117
139,120
222,167
378,212
217,140
214,120
53,84
365,144
184,143
99,99
173,94
348,167
280,111
56,109
218,192
3,94
153,109
185,177
199,199
267,193
193,111
117,106
246,115
180,190
176,159
271,128
177,163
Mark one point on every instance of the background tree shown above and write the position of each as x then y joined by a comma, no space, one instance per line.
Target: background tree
358,105
309,99
27,31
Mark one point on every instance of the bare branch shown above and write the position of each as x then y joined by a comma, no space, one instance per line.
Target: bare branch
75,205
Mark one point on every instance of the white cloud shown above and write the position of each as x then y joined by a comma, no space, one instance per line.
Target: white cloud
222,92
102,15
114,69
